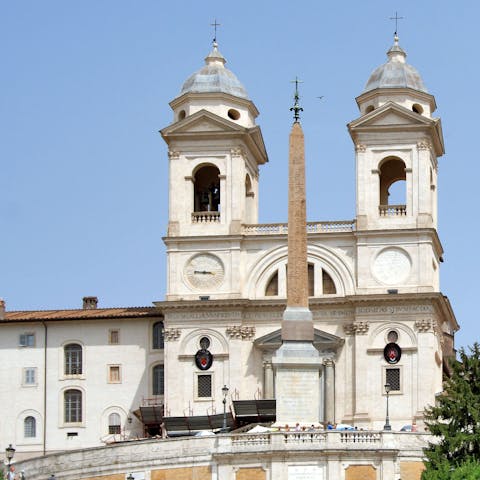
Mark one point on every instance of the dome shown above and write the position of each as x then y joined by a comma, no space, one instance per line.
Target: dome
396,73
214,77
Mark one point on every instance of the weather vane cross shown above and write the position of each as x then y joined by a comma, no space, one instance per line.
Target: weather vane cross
396,18
215,25
296,109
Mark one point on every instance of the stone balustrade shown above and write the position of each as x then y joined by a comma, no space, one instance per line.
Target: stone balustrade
156,454
205,217
392,210
312,227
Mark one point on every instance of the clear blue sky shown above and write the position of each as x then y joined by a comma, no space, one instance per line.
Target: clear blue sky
85,88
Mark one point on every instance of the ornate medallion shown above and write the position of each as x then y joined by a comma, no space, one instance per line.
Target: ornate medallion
392,353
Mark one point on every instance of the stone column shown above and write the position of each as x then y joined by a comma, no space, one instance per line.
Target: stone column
268,391
329,369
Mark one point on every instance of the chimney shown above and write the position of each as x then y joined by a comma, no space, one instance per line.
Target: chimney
2,309
90,303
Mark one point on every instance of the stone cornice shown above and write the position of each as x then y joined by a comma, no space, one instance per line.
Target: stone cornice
342,308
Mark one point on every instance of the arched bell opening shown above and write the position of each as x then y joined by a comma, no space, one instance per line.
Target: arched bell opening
393,187
206,194
249,201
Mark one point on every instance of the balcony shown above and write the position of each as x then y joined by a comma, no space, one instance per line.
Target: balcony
205,217
392,210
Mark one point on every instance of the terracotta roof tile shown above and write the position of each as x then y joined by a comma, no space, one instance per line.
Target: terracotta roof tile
78,314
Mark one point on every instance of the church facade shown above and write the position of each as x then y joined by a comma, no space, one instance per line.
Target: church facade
76,379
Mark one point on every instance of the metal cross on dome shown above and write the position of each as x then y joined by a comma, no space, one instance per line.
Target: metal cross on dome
396,18
215,25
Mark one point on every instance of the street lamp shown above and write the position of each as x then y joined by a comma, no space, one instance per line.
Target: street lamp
387,425
130,477
225,392
52,477
9,453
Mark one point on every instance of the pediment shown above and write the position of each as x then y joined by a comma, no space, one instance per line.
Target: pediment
391,114
323,341
202,121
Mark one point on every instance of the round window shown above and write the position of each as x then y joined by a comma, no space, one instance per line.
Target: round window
392,336
233,114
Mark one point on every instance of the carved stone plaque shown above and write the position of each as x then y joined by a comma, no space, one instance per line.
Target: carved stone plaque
392,266
305,472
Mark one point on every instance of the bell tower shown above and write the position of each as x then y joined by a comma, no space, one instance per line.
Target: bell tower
397,143
215,150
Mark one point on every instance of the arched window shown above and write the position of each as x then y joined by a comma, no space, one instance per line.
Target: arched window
158,336
73,359
29,427
393,187
207,189
114,424
72,406
158,378
328,286
250,209
272,286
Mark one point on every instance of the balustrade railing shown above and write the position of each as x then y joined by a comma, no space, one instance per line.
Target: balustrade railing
392,210
251,439
305,437
323,439
360,436
312,227
205,217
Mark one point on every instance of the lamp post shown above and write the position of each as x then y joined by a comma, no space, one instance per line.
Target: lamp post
9,453
130,477
225,392
387,425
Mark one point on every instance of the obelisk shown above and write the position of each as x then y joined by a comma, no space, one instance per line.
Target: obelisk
297,362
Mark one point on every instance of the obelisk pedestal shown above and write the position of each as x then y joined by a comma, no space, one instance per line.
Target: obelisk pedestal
297,362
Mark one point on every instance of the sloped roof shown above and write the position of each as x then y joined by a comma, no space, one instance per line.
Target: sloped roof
80,314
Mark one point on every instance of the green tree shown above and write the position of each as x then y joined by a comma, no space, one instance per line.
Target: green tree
470,470
455,420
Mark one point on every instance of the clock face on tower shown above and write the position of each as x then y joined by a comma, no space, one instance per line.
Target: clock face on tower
204,270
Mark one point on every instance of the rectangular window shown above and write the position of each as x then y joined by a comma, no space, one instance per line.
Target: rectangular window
30,376
27,340
73,406
158,377
392,376
204,386
114,337
73,359
114,374
114,429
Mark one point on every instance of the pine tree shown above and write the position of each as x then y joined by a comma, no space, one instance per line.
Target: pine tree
455,419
